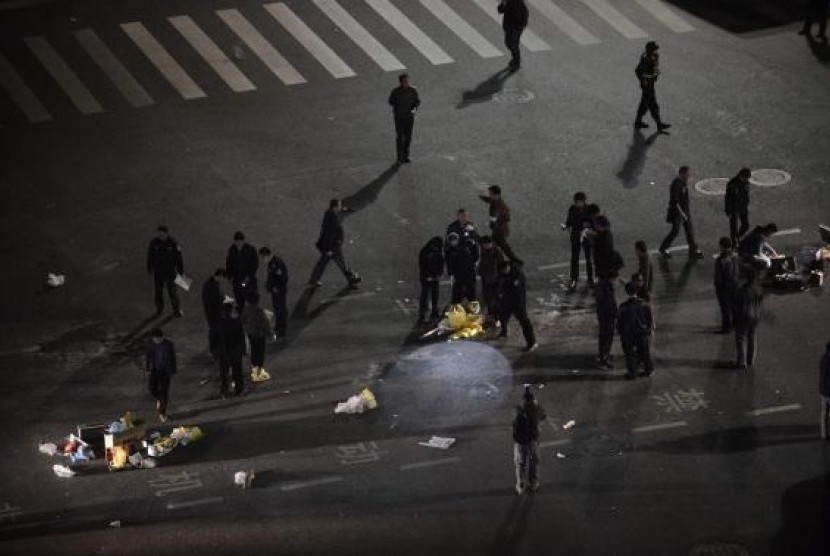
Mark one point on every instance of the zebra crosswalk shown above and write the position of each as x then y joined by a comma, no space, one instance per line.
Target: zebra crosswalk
292,43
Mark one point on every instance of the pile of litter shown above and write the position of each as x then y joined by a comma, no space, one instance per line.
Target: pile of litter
358,403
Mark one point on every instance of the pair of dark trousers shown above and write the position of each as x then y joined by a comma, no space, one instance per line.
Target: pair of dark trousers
526,461
429,294
725,296
336,256
736,233
463,288
159,283
257,350
231,366
159,387
512,38
501,242
489,294
242,288
524,321
403,136
279,303
745,343
675,229
637,350
648,103
606,338
585,247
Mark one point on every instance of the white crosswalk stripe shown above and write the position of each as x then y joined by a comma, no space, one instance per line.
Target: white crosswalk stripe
21,94
263,50
211,53
309,39
615,19
564,22
410,31
164,62
63,75
530,40
359,35
460,27
120,76
669,18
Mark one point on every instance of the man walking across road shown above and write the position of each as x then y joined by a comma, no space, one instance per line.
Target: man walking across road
276,283
824,390
647,71
515,15
736,204
242,263
164,262
161,365
726,283
747,313
634,325
526,442
816,13
500,221
678,214
330,245
512,300
576,223
404,101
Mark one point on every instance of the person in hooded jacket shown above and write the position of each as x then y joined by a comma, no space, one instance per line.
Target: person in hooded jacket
431,269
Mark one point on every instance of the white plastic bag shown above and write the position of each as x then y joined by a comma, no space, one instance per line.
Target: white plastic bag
48,448
183,282
353,405
63,471
55,280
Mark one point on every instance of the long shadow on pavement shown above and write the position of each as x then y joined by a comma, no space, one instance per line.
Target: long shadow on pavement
635,160
485,90
738,439
368,194
820,49
512,529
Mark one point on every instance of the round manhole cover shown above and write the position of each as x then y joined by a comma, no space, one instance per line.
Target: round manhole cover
770,178
712,186
514,96
718,549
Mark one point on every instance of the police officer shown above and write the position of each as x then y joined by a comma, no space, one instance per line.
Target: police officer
606,317
228,347
726,282
500,221
736,204
212,299
276,282
515,16
512,300
330,245
634,326
462,226
242,263
461,256
164,261
678,213
647,71
430,269
575,223
404,101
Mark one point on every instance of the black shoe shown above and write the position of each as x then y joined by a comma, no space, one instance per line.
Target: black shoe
530,347
407,160
646,373
696,254
663,127
665,254
159,312
314,284
640,125
435,315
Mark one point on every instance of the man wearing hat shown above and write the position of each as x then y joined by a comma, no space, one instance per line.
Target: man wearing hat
164,261
648,70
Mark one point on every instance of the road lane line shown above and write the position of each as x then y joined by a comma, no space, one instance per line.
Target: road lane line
787,232
191,503
462,29
315,482
120,76
667,17
431,463
774,409
410,31
263,50
530,40
660,426
21,94
615,19
404,309
164,62
211,53
554,265
550,443
63,74
359,35
565,22
309,39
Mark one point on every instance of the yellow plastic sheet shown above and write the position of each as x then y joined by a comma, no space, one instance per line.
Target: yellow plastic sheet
466,323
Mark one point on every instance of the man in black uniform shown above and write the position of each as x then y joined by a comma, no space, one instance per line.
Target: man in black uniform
606,317
228,347
648,70
736,204
512,300
212,299
678,213
404,101
164,261
276,283
488,268
726,283
330,245
461,256
515,18
816,13
462,226
242,263
747,309
576,223
430,269
634,326
602,247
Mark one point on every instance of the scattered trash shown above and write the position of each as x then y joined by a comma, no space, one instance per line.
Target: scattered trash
569,424
186,435
460,322
239,52
48,448
358,403
63,471
244,478
541,386
440,442
560,455
204,381
55,280
115,524
258,374
183,282
575,371
286,391
401,282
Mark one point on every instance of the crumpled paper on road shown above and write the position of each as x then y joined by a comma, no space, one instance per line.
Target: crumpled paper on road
358,403
440,442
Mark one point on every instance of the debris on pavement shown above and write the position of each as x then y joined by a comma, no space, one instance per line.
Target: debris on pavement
569,424
183,282
358,403
63,471
48,448
560,455
460,322
55,280
244,478
440,442
115,524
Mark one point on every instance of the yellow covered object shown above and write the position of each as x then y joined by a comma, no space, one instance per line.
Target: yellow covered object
467,323
368,399
128,420
119,457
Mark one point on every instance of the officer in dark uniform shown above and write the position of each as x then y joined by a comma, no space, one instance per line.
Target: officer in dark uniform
330,245
606,317
404,101
602,246
462,226
228,347
634,326
276,282
512,300
678,213
647,71
726,282
212,299
430,270
500,221
576,223
736,204
816,13
164,261
242,263
488,268
515,18
461,259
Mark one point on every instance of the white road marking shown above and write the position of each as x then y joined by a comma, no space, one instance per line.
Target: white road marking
309,39
431,463
774,409
530,40
660,426
787,232
560,442
191,503
315,482
462,29
269,56
404,309
554,265
120,76
159,57
359,35
615,19
21,94
565,22
211,53
410,31
667,17
63,74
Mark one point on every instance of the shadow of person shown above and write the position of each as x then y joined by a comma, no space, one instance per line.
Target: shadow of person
819,48
301,317
804,528
635,161
512,529
368,194
485,90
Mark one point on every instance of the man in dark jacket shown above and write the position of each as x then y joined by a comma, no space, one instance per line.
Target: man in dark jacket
404,101
754,249
606,260
512,300
461,259
576,223
736,204
161,364
515,18
500,221
228,347
164,261
431,269
330,245
242,263
747,312
606,317
726,283
647,71
645,271
462,226
526,441
824,390
488,270
634,325
213,296
678,214
816,13
276,282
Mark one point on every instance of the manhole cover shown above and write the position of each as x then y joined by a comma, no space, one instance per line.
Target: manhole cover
718,549
712,186
514,96
770,178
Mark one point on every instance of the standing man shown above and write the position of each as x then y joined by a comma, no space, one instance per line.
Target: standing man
602,245
512,300
228,349
276,282
747,301
645,270
647,71
430,269
461,266
212,299
634,326
576,223
462,226
161,364
515,16
816,13
678,213
824,390
500,221
164,261
404,101
256,326
736,204
606,317
726,283
488,269
242,263
330,245
526,442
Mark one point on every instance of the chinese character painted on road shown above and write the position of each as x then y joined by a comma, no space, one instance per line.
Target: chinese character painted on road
363,452
169,483
681,400
9,513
